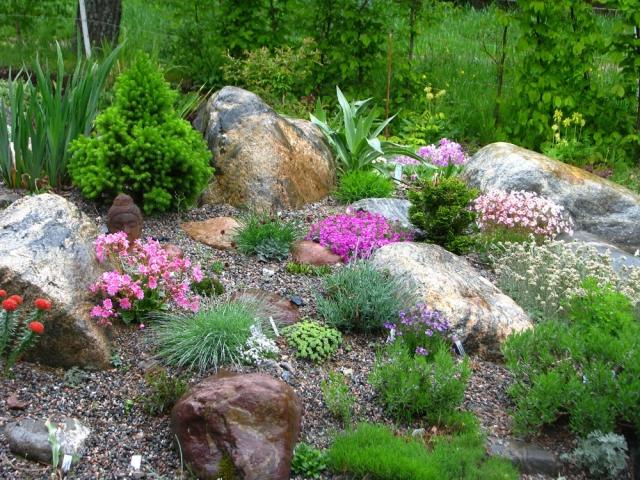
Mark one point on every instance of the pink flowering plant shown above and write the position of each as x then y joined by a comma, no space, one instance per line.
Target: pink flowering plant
145,278
421,330
521,212
357,234
448,158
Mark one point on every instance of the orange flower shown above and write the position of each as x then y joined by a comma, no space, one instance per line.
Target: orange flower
9,304
42,304
16,298
36,327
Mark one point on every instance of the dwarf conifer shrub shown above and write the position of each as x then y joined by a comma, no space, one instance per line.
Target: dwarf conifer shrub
142,147
441,209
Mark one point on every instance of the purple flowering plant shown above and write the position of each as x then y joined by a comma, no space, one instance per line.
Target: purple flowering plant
421,330
448,158
357,234
145,278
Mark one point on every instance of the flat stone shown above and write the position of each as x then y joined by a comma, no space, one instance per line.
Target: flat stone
30,438
307,252
528,458
394,209
271,304
216,232
481,315
598,206
47,250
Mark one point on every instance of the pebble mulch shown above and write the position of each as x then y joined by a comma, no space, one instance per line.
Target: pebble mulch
108,402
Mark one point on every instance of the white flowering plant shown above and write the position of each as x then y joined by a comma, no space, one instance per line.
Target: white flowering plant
258,347
541,277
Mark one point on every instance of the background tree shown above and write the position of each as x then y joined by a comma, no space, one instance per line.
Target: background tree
103,20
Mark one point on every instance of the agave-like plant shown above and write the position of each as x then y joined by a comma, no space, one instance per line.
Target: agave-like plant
356,143
44,116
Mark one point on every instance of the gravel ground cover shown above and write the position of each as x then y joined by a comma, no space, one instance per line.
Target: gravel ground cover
108,401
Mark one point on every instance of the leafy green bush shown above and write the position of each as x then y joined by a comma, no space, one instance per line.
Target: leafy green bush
162,391
266,236
374,452
357,184
279,76
604,455
337,397
312,341
355,142
310,270
208,339
417,386
585,366
308,462
45,117
359,298
441,210
142,147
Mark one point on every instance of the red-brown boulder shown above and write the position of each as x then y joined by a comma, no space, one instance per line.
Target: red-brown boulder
242,424
312,253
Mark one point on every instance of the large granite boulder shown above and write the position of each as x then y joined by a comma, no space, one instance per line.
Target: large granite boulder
262,160
599,207
394,209
238,426
480,313
46,250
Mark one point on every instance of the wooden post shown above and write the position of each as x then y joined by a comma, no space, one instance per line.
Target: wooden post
85,29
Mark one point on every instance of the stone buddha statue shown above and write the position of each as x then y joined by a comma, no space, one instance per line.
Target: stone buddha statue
125,216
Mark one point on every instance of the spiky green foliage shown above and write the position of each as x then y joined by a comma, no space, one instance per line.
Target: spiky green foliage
44,116
356,185
266,236
142,147
208,339
356,142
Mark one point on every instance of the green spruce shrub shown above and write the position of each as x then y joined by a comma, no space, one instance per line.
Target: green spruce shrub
142,147
359,184
441,210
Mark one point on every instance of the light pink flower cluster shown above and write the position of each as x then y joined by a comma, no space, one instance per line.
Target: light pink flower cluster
445,154
524,210
356,235
144,271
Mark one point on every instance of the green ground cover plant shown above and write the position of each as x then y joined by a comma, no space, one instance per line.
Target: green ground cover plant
309,270
142,147
162,391
373,451
359,298
266,236
309,462
415,386
584,366
312,341
603,454
360,184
